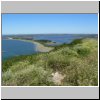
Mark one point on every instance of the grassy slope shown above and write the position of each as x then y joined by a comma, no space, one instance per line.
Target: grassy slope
78,61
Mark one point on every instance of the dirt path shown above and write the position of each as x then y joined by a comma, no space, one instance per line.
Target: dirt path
57,78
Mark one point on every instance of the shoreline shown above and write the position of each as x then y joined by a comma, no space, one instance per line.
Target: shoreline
39,47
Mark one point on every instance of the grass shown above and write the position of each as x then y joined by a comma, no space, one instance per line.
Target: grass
77,61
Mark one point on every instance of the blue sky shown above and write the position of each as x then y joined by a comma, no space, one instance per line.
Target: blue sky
49,23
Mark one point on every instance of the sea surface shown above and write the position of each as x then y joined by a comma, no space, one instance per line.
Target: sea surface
11,48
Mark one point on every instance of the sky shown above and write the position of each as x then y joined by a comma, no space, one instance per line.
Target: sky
49,23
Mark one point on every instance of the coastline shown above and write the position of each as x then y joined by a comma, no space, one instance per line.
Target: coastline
42,48
39,47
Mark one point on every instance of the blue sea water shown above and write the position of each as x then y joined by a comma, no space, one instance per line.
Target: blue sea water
62,38
12,48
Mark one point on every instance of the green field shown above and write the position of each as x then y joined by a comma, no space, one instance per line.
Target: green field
74,64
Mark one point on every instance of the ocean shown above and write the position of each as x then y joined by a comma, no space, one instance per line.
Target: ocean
11,48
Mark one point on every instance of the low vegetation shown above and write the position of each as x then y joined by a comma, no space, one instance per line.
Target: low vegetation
43,41
77,62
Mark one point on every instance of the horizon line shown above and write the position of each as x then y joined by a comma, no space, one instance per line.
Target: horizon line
45,33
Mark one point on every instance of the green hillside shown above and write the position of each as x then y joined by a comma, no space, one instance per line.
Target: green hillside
74,64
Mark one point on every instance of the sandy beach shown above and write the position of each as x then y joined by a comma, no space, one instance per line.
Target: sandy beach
39,47
42,48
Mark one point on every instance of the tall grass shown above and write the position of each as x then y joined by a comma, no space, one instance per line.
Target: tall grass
77,61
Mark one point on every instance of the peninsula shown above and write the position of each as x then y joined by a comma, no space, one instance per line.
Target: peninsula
40,45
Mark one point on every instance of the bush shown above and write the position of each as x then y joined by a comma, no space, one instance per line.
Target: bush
83,51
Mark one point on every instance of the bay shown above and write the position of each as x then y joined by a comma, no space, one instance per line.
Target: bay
11,48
